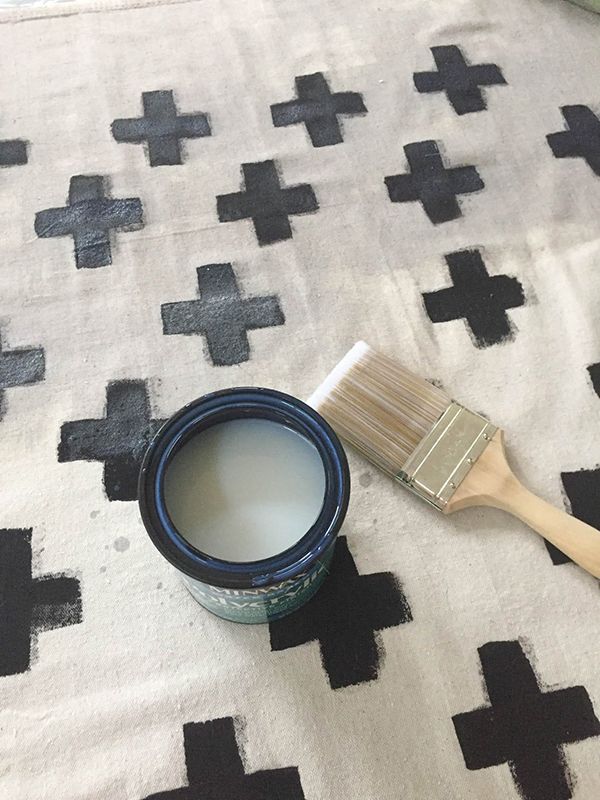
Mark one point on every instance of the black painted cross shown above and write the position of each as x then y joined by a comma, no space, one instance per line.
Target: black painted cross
13,152
431,183
582,489
161,128
89,218
20,367
524,726
222,315
477,297
215,769
318,108
458,79
266,203
119,439
343,617
29,605
594,373
581,139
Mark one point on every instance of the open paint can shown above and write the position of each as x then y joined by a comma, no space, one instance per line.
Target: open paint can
244,492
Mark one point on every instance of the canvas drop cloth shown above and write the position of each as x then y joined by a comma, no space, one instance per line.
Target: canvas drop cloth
448,213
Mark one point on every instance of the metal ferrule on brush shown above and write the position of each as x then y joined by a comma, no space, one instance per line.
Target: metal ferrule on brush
446,454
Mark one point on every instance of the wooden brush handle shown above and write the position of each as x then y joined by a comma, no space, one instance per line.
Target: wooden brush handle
491,482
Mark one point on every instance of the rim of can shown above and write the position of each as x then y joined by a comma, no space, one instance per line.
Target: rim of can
222,406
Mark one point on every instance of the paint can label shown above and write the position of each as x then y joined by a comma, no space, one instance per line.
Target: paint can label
263,603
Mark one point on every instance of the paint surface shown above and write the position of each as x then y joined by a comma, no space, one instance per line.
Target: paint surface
266,202
245,490
222,315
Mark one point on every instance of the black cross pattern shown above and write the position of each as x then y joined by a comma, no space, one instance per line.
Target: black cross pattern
434,185
594,373
119,439
20,367
29,605
222,315
343,617
582,489
13,152
318,108
524,726
89,217
458,79
266,203
477,297
581,139
161,128
215,769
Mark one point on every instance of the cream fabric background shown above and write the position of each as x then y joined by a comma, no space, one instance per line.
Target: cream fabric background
100,713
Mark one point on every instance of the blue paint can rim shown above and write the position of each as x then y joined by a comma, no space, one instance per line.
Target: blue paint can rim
222,406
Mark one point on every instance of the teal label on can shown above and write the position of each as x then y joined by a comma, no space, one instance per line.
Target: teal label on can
263,603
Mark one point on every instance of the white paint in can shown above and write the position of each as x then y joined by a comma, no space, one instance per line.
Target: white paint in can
245,490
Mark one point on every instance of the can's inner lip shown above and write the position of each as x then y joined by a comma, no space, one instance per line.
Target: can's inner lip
217,408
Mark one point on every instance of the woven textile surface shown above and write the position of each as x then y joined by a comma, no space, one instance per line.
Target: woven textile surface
424,176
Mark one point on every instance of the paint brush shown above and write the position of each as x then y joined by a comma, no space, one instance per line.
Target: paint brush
446,454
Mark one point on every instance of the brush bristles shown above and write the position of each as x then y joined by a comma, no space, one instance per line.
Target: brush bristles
379,407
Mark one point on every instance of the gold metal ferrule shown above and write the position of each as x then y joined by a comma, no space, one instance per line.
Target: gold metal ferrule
444,457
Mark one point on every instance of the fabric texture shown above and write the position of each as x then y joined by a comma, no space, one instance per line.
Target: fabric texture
592,5
208,194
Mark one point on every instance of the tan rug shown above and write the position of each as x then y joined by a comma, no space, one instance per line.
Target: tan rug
449,216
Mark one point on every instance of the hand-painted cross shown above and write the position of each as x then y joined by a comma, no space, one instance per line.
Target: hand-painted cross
266,202
477,297
431,183
458,79
161,128
594,373
29,605
20,367
582,489
343,617
222,315
581,139
318,108
119,440
89,218
13,152
215,769
524,726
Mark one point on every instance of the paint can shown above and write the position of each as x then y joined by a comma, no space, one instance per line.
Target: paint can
267,588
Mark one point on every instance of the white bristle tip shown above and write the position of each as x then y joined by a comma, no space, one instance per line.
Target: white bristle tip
335,376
